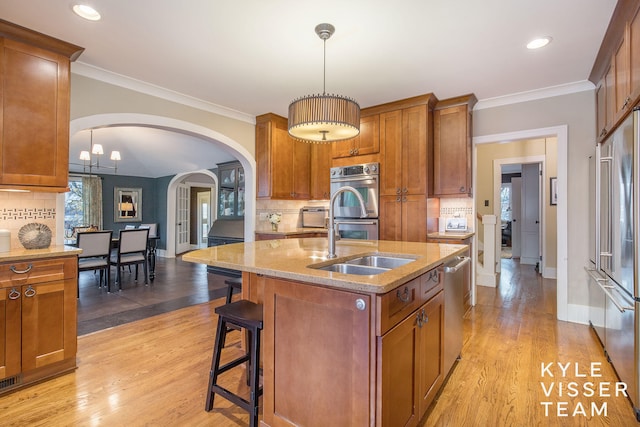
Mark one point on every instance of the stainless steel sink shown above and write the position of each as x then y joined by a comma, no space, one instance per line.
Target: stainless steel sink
381,261
361,270
364,265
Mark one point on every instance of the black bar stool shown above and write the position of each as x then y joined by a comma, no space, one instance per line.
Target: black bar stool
247,315
233,283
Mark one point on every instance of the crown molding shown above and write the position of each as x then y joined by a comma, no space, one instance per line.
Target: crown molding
532,95
103,75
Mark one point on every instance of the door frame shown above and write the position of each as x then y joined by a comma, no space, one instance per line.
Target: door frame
497,183
562,135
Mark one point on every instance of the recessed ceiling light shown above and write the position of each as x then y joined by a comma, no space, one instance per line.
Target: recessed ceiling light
87,12
539,42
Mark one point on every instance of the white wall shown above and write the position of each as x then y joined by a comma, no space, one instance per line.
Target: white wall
577,112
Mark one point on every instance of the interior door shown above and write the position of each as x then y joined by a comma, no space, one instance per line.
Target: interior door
516,216
530,224
182,219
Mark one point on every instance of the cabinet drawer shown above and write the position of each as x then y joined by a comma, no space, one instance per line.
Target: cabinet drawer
430,284
40,271
397,304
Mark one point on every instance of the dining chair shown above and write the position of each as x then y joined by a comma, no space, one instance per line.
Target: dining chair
153,229
96,249
131,250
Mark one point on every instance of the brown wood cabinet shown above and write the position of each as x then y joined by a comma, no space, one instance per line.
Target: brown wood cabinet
320,166
452,149
411,364
34,103
405,138
362,359
316,344
38,306
367,142
617,69
282,163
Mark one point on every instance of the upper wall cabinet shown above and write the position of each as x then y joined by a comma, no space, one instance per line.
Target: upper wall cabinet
282,163
367,142
34,117
452,153
616,72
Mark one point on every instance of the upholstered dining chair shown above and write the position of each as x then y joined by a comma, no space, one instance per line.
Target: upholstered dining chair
96,249
132,250
153,229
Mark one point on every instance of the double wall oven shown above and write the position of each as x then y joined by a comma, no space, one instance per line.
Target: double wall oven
365,179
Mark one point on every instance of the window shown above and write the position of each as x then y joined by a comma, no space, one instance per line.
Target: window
505,202
73,207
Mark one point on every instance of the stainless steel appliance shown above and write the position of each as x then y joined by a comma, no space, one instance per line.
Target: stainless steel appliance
456,272
614,293
365,179
314,216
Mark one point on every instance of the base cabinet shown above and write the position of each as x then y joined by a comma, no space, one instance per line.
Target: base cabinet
316,346
38,305
358,359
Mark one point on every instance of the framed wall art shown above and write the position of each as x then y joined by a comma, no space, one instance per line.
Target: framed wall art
127,204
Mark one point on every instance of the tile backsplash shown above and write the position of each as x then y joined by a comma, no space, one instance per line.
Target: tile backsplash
18,209
290,210
456,208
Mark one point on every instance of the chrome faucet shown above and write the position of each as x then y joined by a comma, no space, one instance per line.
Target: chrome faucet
333,226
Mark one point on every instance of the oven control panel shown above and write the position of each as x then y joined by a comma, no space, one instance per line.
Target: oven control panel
365,169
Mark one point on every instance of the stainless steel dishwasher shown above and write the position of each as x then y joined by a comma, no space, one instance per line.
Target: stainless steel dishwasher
456,273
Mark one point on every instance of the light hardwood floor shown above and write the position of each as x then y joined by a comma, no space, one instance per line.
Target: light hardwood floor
154,372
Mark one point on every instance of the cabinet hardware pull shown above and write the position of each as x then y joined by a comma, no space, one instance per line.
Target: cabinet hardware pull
398,190
419,320
404,199
404,297
360,304
13,268
14,294
462,189
398,199
425,318
404,190
29,292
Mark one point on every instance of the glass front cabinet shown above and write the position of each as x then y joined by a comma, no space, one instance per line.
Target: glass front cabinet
230,190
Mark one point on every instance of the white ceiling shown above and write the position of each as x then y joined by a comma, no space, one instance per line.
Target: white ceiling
254,56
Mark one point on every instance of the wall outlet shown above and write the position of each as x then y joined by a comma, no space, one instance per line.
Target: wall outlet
263,216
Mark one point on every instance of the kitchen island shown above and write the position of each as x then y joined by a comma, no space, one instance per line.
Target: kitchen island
344,349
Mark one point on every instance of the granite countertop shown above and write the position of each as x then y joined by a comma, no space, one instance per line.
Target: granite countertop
451,235
21,254
292,231
290,258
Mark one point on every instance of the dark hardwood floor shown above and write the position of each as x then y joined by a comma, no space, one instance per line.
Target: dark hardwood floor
177,284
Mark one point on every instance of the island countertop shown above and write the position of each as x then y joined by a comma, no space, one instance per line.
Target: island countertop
290,259
21,254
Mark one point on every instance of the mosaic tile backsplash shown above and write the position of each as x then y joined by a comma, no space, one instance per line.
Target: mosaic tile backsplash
19,209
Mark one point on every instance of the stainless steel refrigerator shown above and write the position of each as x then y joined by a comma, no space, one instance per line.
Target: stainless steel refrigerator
614,293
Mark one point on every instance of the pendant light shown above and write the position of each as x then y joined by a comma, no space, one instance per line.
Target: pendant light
324,118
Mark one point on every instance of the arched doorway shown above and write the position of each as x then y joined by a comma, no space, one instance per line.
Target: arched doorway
244,157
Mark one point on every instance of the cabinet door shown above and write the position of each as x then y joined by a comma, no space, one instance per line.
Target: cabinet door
414,150
301,167
35,116
48,323
316,345
451,153
430,349
281,165
414,218
10,341
367,142
634,55
390,218
391,150
398,369
320,171
621,65
601,108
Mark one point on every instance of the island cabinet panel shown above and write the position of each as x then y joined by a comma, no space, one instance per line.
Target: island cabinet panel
38,304
316,356
410,354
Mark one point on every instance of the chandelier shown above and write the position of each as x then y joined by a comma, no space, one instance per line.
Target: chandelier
324,118
91,159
